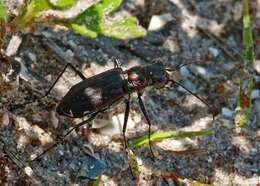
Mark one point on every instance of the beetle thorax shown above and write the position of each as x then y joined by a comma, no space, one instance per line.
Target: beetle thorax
140,77
136,79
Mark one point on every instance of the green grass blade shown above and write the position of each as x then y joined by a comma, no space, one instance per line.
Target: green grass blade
164,135
194,183
247,36
243,110
97,182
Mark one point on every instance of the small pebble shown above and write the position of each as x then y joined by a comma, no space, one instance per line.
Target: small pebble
22,141
49,77
227,112
214,51
54,119
198,70
32,57
72,44
5,120
184,72
28,171
189,85
255,93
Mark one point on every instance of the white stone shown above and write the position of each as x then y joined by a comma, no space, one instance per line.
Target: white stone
5,120
28,171
54,119
158,21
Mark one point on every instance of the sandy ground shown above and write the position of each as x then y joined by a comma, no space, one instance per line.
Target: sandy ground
189,31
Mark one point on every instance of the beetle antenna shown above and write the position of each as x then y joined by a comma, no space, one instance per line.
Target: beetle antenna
178,67
203,101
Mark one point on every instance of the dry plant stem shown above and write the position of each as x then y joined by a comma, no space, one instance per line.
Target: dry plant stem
56,51
16,160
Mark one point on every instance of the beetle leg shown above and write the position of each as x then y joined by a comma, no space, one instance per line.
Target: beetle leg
211,109
13,107
141,103
73,68
127,109
77,71
63,137
117,63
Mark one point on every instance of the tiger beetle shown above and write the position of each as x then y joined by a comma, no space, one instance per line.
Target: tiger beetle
94,95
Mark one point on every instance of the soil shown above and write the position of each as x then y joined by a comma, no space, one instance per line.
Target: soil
205,31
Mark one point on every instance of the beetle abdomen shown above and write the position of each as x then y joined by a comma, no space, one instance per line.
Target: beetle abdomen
93,94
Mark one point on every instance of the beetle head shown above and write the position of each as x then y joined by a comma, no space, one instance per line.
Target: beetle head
156,74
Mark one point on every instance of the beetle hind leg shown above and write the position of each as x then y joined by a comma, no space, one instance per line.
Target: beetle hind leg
91,118
16,106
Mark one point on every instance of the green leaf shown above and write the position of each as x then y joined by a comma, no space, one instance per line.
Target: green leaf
41,5
65,3
125,29
96,183
3,12
90,22
83,30
96,12
165,135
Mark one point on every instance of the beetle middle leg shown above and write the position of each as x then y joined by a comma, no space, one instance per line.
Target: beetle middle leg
141,103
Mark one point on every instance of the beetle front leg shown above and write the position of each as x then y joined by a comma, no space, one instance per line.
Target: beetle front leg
117,63
141,103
